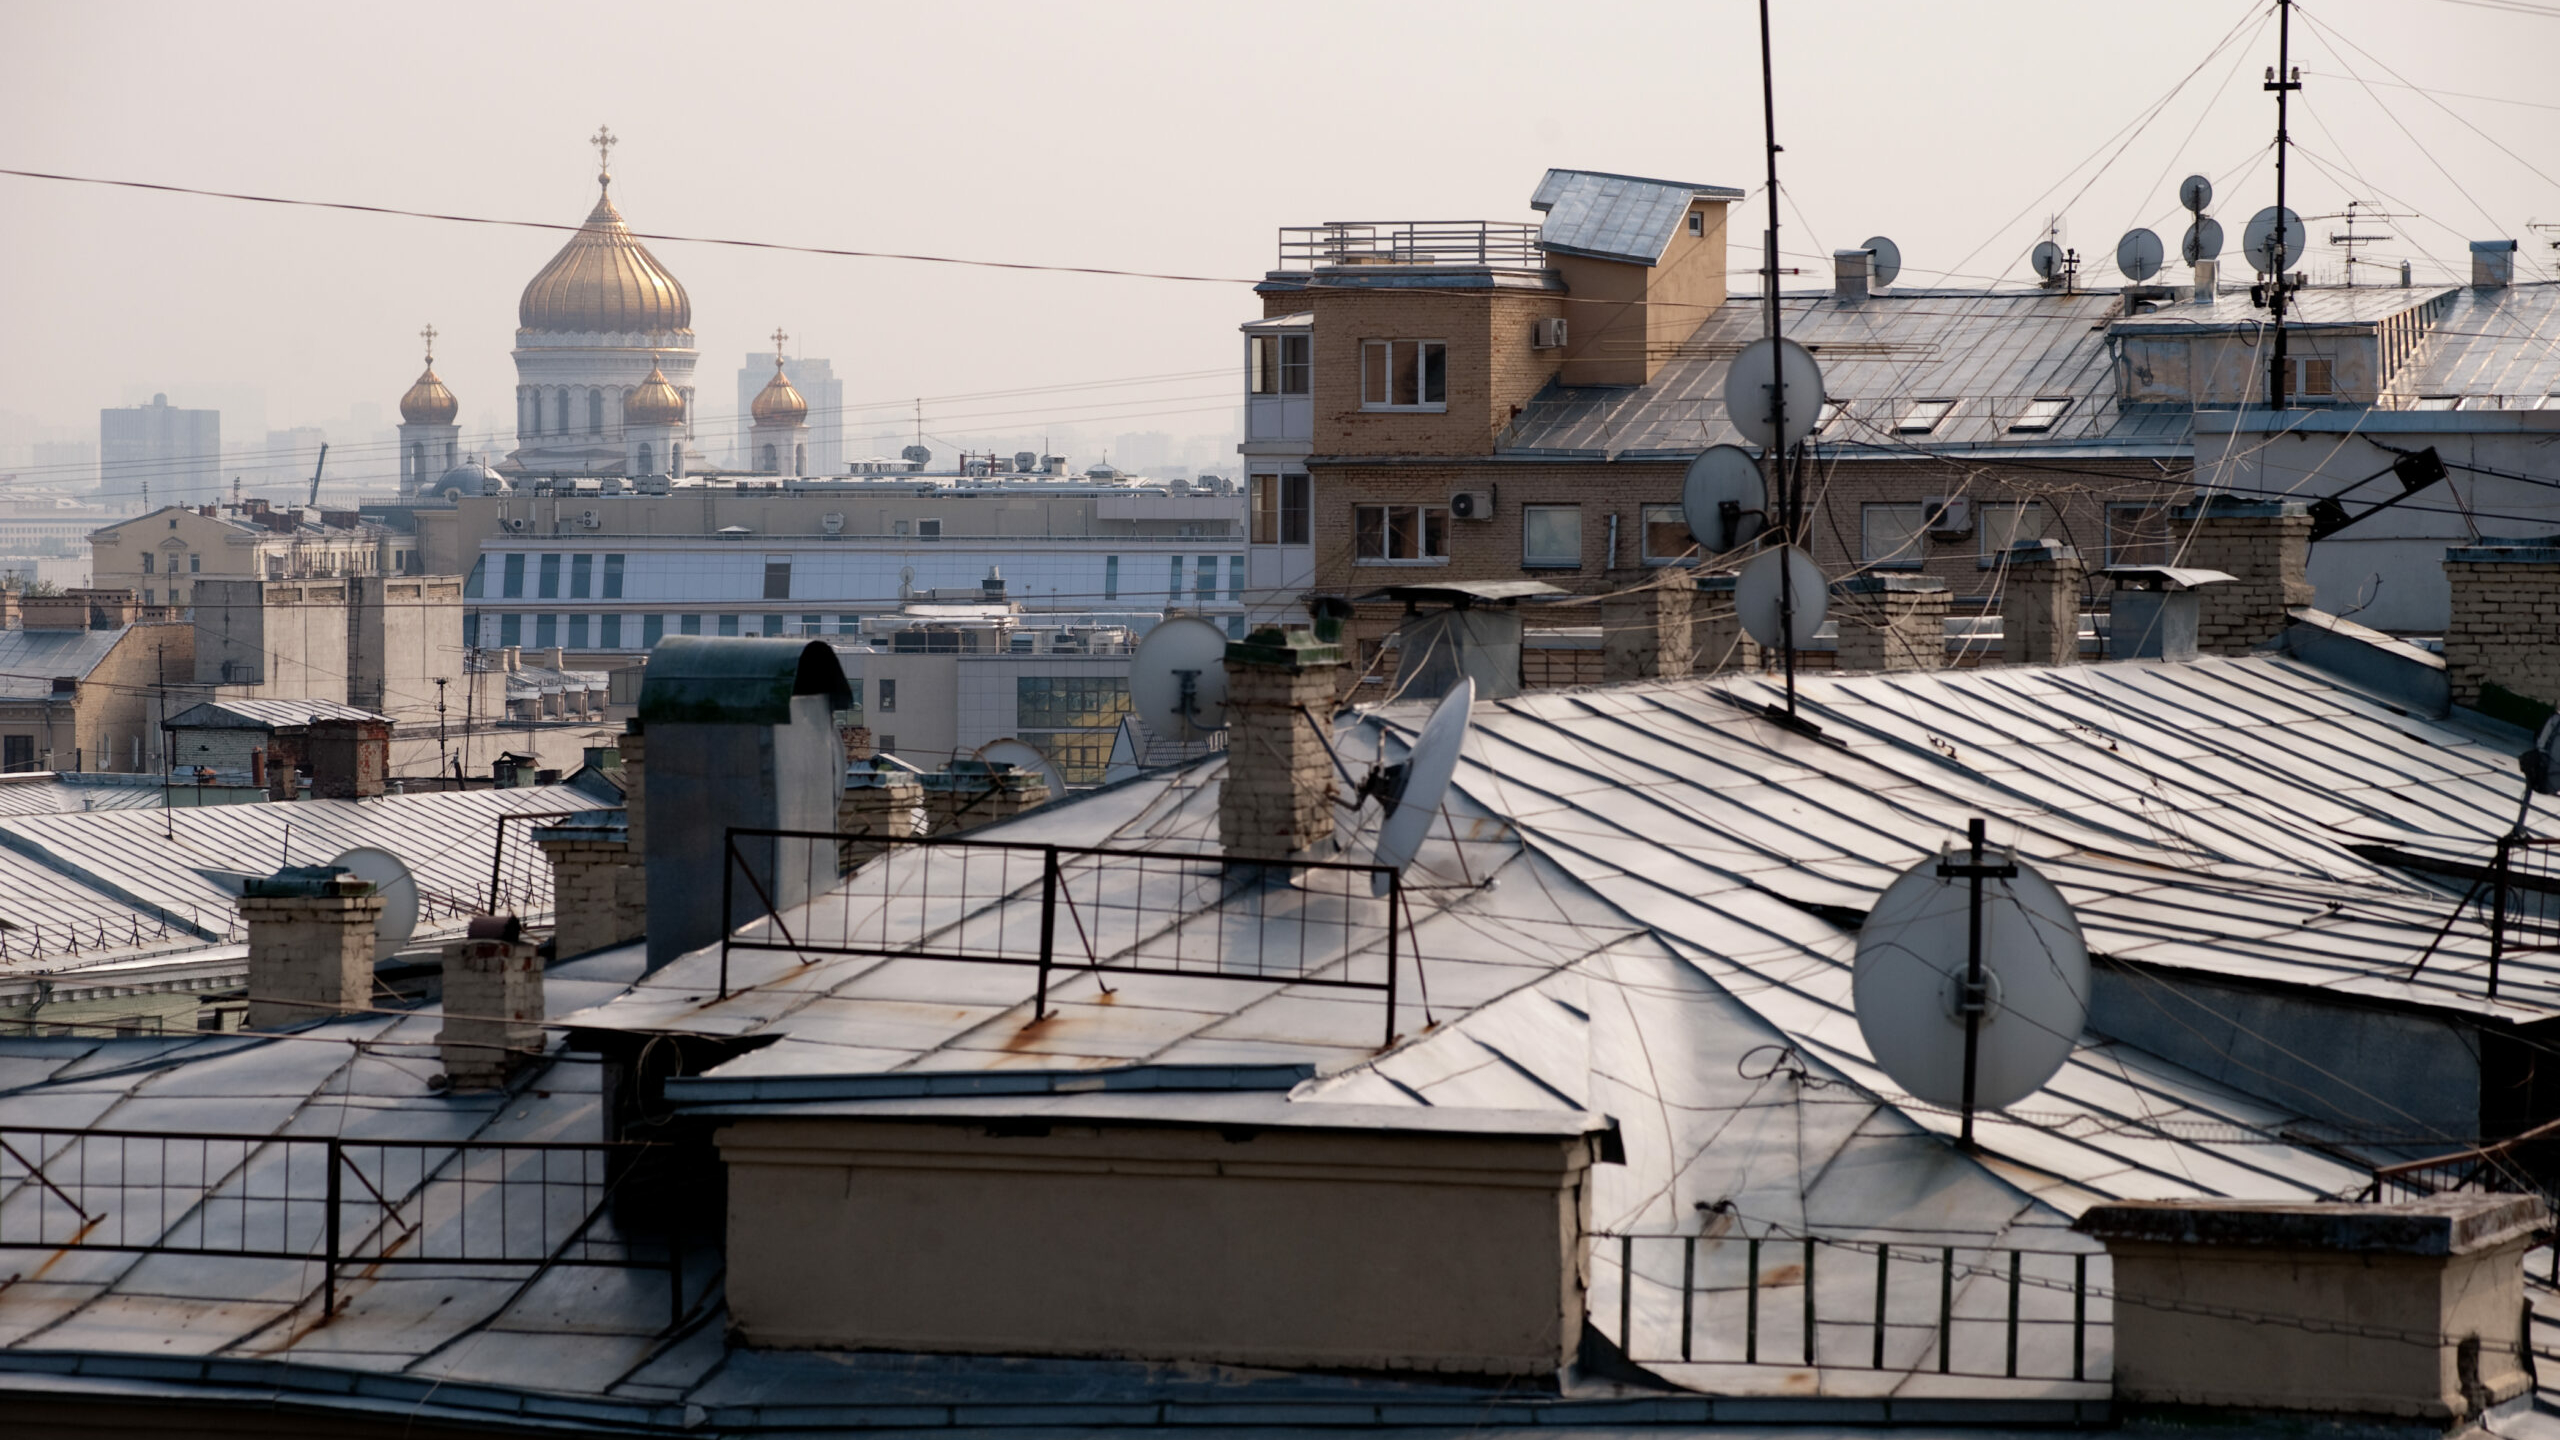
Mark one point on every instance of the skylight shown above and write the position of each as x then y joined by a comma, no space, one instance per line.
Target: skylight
2041,413
1923,416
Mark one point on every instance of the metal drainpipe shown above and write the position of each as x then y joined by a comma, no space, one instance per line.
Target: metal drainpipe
1613,539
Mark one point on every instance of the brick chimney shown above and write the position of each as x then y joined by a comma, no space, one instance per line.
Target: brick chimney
2263,546
1891,622
881,802
1645,632
2040,604
1277,797
311,944
969,793
492,1004
599,888
2406,1312
2502,640
350,759
1717,641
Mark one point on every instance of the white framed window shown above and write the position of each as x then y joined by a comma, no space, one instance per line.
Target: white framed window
1667,540
1400,534
1698,222
1404,375
2041,414
1279,364
1890,534
2005,523
1551,537
1283,509
1923,416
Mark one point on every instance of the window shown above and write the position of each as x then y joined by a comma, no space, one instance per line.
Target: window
147,558
510,630
2005,524
1551,536
577,632
928,529
1698,222
2314,378
1297,364
1404,375
1889,535
688,624
1923,416
150,597
1283,509
595,412
777,577
653,628
1173,583
582,570
195,565
772,462
546,631
512,587
1110,577
772,626
1235,577
1069,702
1667,540
1389,534
1204,578
550,578
848,624
2137,533
888,697
1280,364
728,624
813,624
2040,415
609,636
18,753
613,577
645,468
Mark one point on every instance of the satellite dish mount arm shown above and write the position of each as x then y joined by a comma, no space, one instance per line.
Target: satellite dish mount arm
2417,469
1974,999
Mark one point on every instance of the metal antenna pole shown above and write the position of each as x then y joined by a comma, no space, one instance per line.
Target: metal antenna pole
1778,373
1974,999
2281,80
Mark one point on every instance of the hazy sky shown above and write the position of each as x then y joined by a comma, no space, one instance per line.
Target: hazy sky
1169,137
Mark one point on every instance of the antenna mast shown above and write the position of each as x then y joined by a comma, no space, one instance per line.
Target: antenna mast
1778,371
2282,80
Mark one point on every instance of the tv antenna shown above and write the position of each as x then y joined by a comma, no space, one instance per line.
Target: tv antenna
2369,212
2284,228
1413,791
398,890
1888,260
1972,979
1178,679
1725,499
2138,255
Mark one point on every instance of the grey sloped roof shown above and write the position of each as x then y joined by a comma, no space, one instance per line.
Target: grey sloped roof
266,714
31,660
2493,342
1615,217
1990,351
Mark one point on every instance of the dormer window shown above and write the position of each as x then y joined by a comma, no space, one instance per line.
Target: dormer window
1923,416
2041,414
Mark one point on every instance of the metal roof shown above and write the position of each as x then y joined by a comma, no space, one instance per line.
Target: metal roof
56,793
1615,217
700,679
1992,353
2503,342
31,660
2362,307
1463,592
266,714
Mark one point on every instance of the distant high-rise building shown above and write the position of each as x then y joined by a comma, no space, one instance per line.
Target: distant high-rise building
175,454
816,381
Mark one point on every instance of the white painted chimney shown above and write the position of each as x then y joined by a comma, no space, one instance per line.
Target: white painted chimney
1851,270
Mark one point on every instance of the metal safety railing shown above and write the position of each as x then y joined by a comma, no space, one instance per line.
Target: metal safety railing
520,882
1088,909
1409,242
1947,1309
327,1201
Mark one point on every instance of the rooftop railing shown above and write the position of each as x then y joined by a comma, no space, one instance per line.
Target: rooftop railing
1342,243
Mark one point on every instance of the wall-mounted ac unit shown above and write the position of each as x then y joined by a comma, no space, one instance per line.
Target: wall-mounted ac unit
590,519
1471,505
832,523
1949,519
1547,334
515,522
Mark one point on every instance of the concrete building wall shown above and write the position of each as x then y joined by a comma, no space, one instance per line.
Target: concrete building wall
404,634
123,700
273,639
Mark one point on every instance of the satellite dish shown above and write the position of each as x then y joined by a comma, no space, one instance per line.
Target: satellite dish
2542,762
1755,596
1414,796
1750,384
1913,955
1178,679
2259,240
1725,475
399,891
2046,259
1888,261
2138,255
2204,240
2195,192
1023,755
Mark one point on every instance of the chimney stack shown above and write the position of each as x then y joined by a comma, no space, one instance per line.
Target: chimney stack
1892,622
1716,637
1851,271
1645,632
883,802
1277,798
599,892
2493,264
2501,653
311,944
2040,604
492,1003
2260,546
2156,611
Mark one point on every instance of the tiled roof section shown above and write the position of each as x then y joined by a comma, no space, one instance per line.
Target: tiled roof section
31,660
1615,217
1993,353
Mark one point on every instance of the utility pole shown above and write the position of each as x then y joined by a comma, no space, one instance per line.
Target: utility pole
2283,80
1777,482
441,681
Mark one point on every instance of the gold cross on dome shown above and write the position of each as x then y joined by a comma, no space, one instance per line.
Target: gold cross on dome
604,142
778,337
429,335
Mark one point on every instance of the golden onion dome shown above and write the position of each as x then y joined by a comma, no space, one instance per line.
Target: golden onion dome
655,403
428,402
778,403
603,281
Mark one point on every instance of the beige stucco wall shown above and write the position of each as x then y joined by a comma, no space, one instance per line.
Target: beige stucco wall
1289,1248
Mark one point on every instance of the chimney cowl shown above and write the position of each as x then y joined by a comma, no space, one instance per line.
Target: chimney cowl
2493,264
1851,272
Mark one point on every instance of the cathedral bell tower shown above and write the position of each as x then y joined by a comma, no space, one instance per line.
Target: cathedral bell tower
778,443
429,440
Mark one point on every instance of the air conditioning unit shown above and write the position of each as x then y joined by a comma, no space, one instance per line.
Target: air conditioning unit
1471,505
1547,334
590,519
515,522
833,523
1949,519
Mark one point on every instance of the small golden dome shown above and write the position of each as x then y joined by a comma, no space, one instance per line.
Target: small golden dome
603,281
428,402
655,403
778,403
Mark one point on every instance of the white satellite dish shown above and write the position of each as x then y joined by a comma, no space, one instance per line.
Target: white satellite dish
1023,755
1751,383
2259,239
1916,954
1178,679
2204,240
1413,798
1888,259
1725,475
2138,255
2195,192
1755,596
399,891
2045,259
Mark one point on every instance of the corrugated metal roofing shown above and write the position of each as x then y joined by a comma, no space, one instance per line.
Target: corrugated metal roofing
266,714
31,660
52,794
2502,342
1615,217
